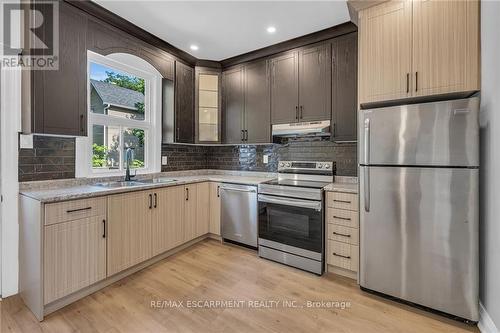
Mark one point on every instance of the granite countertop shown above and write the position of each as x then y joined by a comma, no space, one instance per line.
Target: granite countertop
343,184
50,194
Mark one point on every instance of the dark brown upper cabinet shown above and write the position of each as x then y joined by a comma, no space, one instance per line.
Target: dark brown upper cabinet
300,85
314,82
57,103
257,103
284,88
233,99
184,103
246,104
344,87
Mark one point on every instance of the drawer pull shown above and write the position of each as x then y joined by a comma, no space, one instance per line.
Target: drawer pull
336,233
342,218
78,210
343,201
339,255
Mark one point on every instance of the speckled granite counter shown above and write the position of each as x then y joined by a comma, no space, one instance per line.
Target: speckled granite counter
343,184
53,191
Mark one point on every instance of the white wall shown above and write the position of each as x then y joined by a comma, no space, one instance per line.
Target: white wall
490,160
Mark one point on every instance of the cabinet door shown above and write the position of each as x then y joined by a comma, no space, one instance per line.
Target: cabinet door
167,224
74,256
315,83
285,88
257,103
59,97
214,227
190,212
129,230
385,51
445,46
344,87
233,97
184,103
202,208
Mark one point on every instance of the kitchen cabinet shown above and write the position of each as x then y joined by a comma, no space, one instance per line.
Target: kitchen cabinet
344,88
284,88
314,82
196,210
129,230
257,124
247,103
74,256
300,85
57,99
167,225
418,48
214,225
207,102
184,103
234,104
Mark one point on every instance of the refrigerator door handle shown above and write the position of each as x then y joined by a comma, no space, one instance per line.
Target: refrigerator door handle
366,171
367,141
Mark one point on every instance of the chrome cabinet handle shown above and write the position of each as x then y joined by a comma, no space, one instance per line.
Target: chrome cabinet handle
339,255
344,235
78,210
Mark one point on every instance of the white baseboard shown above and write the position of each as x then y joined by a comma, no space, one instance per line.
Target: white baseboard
485,324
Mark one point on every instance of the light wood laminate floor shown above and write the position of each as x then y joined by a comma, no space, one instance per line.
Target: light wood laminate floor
212,271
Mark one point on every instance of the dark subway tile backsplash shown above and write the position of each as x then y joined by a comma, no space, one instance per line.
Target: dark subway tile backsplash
54,157
50,158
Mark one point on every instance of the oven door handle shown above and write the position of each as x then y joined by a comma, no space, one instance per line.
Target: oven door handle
316,205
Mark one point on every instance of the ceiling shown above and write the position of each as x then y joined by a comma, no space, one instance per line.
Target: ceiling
223,29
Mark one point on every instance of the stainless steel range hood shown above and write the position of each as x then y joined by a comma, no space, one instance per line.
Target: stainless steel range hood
313,128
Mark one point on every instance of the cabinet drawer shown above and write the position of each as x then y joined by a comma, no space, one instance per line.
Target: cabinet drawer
343,234
74,210
346,218
343,255
342,200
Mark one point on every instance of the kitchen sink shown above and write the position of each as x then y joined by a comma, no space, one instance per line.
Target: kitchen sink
120,184
158,181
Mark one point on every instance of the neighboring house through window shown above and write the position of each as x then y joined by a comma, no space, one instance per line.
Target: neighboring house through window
124,112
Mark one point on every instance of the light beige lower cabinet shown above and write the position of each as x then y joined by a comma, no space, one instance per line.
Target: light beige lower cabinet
70,249
214,227
342,241
129,229
74,256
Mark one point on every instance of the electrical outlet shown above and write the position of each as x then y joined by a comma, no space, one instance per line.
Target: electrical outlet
26,141
265,159
164,160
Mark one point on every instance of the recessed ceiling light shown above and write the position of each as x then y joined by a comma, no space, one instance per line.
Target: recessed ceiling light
271,29
194,47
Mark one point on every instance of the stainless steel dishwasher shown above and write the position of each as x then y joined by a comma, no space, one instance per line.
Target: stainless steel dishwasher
239,213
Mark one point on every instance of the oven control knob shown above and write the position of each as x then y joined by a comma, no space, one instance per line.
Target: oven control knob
287,165
282,164
320,165
327,166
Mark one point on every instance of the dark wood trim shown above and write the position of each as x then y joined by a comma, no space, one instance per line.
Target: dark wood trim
311,38
208,64
119,22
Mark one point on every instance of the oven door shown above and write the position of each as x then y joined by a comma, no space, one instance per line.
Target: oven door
293,222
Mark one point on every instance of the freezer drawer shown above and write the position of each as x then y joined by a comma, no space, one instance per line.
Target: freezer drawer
430,134
419,236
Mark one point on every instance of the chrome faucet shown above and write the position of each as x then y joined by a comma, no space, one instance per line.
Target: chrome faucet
129,155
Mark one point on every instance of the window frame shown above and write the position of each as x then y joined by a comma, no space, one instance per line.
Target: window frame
132,65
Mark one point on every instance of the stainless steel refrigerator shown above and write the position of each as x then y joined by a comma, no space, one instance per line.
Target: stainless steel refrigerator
419,211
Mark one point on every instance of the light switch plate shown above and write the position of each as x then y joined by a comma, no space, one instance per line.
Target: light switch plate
26,141
265,159
164,160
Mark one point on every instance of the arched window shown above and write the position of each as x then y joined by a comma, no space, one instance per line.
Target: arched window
124,112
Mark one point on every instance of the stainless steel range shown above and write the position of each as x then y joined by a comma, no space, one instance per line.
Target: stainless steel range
291,223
